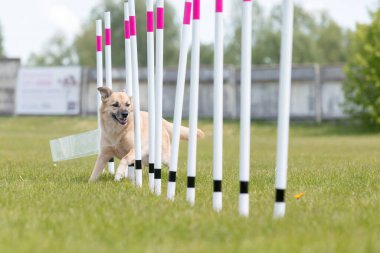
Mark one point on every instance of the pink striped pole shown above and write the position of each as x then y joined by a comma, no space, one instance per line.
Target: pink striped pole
193,113
107,26
218,106
136,93
184,45
158,90
128,73
151,109
99,63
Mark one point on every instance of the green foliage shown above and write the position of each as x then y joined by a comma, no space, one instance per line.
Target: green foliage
1,43
56,52
317,38
207,54
362,88
85,44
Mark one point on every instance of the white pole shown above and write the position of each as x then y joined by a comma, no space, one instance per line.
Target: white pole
158,90
151,105
107,26
284,107
245,111
128,73
136,93
99,64
193,108
184,45
218,106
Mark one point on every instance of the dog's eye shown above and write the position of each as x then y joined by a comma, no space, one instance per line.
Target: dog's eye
127,104
115,104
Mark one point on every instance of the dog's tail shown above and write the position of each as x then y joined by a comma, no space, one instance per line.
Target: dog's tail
184,131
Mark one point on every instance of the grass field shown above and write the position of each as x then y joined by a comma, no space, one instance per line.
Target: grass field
44,208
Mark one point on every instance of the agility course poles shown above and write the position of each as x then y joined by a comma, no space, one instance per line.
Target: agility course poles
107,26
99,64
130,173
151,105
193,111
245,107
158,89
181,78
218,107
136,93
284,107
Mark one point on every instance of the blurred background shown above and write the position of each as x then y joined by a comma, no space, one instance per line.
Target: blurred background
47,58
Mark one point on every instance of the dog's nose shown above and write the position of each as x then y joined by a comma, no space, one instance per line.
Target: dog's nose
124,114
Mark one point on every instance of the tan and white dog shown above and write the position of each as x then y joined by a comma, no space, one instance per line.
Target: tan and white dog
117,133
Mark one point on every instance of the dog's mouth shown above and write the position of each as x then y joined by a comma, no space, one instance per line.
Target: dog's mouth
121,121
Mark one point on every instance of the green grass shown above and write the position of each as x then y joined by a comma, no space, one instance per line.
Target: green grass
44,208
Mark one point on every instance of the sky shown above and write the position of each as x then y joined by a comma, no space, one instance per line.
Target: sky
27,25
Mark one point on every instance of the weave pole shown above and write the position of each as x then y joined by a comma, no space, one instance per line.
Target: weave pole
284,107
136,93
193,111
158,89
151,105
218,107
128,73
245,105
184,45
99,65
107,26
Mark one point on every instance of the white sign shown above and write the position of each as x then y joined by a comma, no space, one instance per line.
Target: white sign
48,91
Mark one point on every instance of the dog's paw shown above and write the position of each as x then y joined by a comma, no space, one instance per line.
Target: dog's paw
119,177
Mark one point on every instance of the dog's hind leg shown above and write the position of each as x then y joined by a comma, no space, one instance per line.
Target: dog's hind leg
123,165
99,166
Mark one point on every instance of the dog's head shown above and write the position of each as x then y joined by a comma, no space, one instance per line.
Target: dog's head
116,105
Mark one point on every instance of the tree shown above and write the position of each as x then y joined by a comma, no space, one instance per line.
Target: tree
362,87
332,41
85,44
316,38
233,47
57,51
206,54
1,43
82,51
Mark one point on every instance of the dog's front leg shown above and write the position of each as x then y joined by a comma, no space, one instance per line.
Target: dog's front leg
123,165
99,166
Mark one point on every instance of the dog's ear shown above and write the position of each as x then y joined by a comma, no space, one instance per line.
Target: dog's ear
105,92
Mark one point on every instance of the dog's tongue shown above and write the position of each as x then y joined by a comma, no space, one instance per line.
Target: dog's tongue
123,121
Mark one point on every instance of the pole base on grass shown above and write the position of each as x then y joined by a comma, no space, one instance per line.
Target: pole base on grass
131,173
111,167
279,210
157,181
151,177
138,173
217,201
171,191
244,204
190,196
157,187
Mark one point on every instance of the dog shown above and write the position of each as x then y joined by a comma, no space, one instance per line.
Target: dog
117,133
